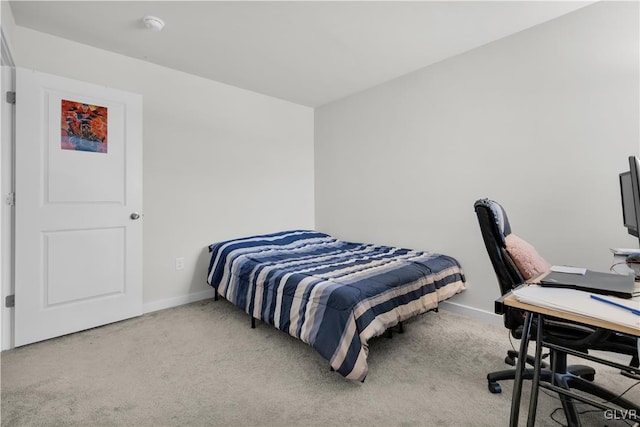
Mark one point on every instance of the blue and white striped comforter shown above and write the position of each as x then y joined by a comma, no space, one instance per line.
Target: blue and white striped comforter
333,295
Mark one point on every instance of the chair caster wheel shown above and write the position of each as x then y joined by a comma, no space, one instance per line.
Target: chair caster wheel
589,377
495,388
510,361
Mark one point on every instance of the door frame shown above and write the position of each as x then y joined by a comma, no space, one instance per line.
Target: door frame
7,186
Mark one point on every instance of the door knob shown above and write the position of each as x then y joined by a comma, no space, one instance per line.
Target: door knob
134,215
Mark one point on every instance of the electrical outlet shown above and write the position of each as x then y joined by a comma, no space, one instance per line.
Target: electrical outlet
179,263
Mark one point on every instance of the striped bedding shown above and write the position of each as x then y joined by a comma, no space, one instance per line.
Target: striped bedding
331,294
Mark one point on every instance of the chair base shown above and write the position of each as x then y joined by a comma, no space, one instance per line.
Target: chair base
569,381
574,377
581,371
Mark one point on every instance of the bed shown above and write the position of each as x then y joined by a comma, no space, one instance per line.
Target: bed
331,294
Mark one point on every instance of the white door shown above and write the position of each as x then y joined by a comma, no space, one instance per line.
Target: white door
78,168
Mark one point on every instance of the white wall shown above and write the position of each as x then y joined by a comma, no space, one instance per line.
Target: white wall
219,162
542,121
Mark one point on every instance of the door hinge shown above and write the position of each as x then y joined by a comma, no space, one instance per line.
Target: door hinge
11,97
10,301
11,199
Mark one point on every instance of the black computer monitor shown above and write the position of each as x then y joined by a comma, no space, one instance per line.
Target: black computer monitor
630,194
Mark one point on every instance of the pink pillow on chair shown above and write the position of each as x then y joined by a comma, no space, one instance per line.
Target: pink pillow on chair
525,256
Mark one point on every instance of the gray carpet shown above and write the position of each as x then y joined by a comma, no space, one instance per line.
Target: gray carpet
202,365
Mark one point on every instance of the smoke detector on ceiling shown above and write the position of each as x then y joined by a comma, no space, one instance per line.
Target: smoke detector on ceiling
153,23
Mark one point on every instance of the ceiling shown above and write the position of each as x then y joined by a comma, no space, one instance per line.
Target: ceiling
306,52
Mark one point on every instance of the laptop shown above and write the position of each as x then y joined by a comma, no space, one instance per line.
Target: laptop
619,285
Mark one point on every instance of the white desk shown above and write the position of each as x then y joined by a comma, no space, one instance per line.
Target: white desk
540,312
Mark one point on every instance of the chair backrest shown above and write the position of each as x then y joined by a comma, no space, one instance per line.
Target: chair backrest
495,227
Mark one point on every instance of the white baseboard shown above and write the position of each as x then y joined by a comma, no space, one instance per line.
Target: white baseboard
474,313
176,301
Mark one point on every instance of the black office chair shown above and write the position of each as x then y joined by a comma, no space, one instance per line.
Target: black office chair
495,227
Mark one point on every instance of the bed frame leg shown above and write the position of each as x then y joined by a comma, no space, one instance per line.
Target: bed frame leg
215,297
331,368
253,322
389,332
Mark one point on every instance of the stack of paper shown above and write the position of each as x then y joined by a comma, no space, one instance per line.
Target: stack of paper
625,251
569,270
580,302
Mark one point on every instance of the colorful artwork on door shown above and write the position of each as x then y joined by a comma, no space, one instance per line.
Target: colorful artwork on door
84,127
